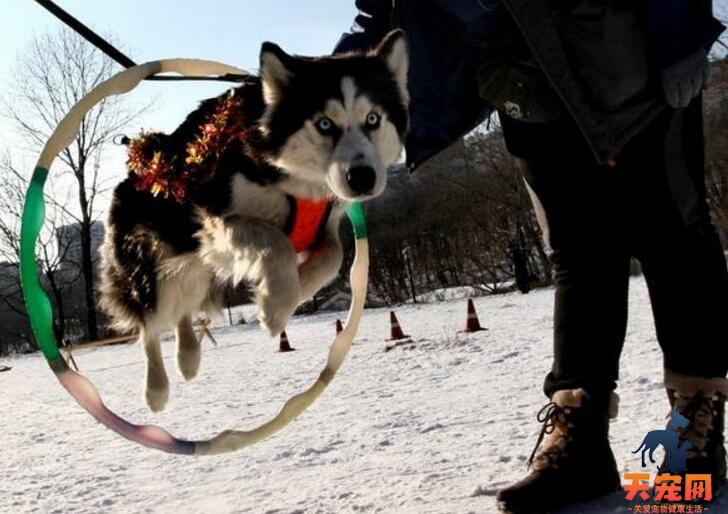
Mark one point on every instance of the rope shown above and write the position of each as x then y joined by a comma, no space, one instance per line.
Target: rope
116,54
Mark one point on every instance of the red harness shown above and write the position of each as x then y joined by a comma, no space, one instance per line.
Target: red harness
307,221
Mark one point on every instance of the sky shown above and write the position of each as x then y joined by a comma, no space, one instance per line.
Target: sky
223,30
230,31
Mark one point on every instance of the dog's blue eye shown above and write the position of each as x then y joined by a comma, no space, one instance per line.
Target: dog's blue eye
372,120
324,126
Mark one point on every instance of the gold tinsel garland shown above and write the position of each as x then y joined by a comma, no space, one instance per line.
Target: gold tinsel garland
172,176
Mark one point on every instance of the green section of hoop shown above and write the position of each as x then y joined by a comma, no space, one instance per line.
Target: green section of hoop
40,310
356,215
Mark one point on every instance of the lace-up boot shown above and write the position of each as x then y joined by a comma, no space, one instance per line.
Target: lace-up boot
572,461
702,402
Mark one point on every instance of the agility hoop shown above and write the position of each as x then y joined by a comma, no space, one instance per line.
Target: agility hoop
40,310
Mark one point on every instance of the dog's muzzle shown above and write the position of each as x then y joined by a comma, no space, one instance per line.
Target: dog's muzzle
361,179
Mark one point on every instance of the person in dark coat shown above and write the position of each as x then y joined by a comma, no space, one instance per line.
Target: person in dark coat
600,105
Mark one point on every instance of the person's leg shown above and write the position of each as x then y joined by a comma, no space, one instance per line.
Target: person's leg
580,212
687,277
678,247
584,226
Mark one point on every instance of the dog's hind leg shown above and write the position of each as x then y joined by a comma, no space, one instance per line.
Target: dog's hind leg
157,383
188,349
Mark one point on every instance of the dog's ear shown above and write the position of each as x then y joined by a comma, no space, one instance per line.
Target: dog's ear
393,50
276,71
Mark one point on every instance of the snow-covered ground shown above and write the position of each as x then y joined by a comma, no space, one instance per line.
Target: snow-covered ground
433,427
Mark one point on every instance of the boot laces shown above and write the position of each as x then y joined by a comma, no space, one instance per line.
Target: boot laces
555,426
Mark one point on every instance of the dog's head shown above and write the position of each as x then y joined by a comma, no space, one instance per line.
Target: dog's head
337,122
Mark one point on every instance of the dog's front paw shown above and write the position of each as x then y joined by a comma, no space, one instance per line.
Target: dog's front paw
320,268
310,285
276,311
277,304
278,292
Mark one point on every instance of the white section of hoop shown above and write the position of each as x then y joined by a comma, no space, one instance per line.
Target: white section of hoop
120,83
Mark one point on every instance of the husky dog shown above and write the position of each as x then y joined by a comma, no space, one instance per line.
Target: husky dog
250,187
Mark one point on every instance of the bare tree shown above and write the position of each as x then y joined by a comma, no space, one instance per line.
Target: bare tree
51,254
464,219
721,48
51,76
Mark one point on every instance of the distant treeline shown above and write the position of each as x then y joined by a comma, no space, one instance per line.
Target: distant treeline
463,219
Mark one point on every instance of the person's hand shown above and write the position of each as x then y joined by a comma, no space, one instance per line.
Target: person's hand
685,79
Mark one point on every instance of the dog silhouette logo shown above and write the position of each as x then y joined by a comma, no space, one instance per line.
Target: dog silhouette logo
669,438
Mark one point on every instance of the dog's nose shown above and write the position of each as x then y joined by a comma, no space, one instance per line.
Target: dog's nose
361,179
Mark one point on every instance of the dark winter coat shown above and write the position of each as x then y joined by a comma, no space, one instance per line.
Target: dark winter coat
602,57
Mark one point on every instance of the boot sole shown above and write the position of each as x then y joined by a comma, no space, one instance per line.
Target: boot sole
610,500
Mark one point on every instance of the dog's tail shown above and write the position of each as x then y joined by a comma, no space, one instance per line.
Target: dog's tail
140,268
129,278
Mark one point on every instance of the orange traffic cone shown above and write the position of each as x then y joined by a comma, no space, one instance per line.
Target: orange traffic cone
284,345
473,325
395,330
339,327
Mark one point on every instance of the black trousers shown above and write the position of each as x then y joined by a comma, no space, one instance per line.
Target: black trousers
651,206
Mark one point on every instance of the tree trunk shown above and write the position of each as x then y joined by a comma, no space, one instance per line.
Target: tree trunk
87,268
411,277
